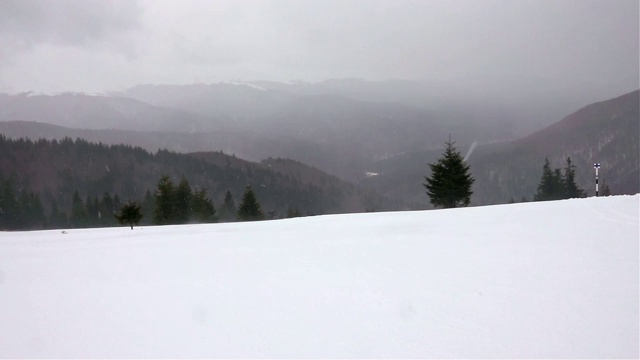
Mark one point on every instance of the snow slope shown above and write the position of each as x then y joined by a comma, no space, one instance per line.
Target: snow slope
552,279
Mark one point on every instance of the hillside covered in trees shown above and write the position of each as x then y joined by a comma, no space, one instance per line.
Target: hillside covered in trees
58,176
605,132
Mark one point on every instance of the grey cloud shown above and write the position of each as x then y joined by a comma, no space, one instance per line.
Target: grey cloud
66,22
499,45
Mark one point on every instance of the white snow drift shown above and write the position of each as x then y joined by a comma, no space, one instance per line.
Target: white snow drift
552,279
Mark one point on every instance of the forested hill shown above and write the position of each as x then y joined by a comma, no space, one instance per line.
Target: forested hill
605,132
54,170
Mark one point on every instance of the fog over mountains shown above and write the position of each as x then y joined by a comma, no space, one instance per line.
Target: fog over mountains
606,132
380,135
337,126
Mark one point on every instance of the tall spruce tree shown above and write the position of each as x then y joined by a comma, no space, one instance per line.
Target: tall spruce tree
107,210
228,209
249,209
551,186
183,197
79,216
148,206
57,218
556,185
164,212
32,211
10,211
449,185
572,190
203,209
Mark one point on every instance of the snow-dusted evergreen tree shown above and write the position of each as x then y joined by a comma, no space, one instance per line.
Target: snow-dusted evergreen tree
249,209
449,185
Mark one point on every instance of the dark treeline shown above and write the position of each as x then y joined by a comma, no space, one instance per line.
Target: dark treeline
22,209
557,184
76,183
170,204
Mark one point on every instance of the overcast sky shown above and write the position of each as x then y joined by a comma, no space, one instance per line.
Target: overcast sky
84,45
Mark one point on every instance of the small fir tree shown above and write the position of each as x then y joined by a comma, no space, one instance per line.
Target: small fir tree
249,209
450,183
272,215
293,213
130,214
605,189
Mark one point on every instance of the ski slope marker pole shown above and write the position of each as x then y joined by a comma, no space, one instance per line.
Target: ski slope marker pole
596,166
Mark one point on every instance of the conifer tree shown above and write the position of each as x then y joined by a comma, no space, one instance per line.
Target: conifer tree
148,206
93,211
293,213
107,209
551,186
556,185
249,209
450,183
79,217
165,202
203,209
9,207
116,203
31,211
57,218
572,190
228,209
183,197
605,189
130,214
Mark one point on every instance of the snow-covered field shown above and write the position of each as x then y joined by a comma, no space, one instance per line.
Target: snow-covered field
552,279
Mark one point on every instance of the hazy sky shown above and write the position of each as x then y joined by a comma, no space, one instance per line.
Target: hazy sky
83,45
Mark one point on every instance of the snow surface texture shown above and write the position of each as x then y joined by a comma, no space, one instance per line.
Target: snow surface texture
549,279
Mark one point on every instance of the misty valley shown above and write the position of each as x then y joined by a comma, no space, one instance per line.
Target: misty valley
339,146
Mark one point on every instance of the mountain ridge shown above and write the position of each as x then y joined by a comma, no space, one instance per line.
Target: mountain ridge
606,132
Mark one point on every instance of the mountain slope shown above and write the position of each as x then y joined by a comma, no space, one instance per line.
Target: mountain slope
238,104
83,111
348,122
605,132
557,279
58,168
